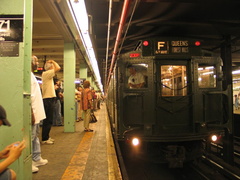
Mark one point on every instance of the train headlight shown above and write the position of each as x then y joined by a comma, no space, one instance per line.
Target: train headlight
214,138
135,141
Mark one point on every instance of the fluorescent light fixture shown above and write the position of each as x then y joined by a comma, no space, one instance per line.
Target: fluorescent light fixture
236,72
79,13
209,67
206,73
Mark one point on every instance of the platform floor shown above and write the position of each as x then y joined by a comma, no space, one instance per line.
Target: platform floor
81,155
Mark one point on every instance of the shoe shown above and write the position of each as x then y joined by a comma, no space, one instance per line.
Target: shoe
88,130
34,169
50,139
47,142
41,162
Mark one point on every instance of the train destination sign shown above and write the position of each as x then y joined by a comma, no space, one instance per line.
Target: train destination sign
11,28
171,47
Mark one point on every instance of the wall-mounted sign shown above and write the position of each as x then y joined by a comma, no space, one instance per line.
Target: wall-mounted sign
9,49
11,28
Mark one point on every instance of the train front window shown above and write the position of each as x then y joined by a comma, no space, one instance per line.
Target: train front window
173,80
136,76
206,76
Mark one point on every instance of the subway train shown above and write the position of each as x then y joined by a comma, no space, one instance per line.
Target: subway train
167,96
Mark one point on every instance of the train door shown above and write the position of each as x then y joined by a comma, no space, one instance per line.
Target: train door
209,98
135,92
173,97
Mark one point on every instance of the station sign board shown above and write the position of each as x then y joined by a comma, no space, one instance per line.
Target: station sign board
11,28
11,33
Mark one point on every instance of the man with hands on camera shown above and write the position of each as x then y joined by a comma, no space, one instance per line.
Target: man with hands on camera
10,153
49,95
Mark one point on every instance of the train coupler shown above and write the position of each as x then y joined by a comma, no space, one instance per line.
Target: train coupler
175,156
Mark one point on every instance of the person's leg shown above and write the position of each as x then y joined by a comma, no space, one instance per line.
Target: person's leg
47,123
36,149
54,123
87,119
13,175
8,174
59,113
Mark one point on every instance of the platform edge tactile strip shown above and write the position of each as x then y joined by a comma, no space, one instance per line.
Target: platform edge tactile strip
76,167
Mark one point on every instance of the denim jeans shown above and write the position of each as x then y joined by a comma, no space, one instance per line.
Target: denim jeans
36,148
57,116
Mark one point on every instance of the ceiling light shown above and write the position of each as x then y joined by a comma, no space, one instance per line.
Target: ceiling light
80,16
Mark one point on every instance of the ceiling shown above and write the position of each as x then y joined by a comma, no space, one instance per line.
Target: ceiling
210,21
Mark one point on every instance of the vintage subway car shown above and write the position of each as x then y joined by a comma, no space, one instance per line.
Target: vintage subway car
168,94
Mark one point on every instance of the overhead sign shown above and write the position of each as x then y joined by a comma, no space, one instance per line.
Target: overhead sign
11,28
166,47
171,47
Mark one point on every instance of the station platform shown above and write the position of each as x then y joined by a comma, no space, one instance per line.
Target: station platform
81,155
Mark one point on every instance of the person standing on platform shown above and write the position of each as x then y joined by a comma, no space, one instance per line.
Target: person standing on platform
94,96
87,105
10,153
236,102
98,99
57,115
38,114
79,107
49,95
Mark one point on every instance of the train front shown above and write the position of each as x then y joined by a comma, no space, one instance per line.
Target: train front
170,99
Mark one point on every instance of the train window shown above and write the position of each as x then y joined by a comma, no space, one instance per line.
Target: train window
173,80
136,76
206,76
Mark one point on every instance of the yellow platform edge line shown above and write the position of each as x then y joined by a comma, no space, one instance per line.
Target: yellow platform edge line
114,172
77,165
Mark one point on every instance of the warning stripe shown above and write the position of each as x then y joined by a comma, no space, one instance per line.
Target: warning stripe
77,165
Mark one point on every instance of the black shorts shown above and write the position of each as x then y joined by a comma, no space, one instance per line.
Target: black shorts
6,175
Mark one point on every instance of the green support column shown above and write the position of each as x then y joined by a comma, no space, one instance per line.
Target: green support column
89,78
69,87
15,87
83,71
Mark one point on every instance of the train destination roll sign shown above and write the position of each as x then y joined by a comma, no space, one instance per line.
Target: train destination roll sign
171,47
11,33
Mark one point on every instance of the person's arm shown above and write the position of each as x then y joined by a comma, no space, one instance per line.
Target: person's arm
142,81
60,95
4,152
12,154
33,117
55,65
136,85
89,98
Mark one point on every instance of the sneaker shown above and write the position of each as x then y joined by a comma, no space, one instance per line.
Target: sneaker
34,169
50,139
47,142
41,162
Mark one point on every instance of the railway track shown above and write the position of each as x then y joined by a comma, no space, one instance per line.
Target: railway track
209,167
